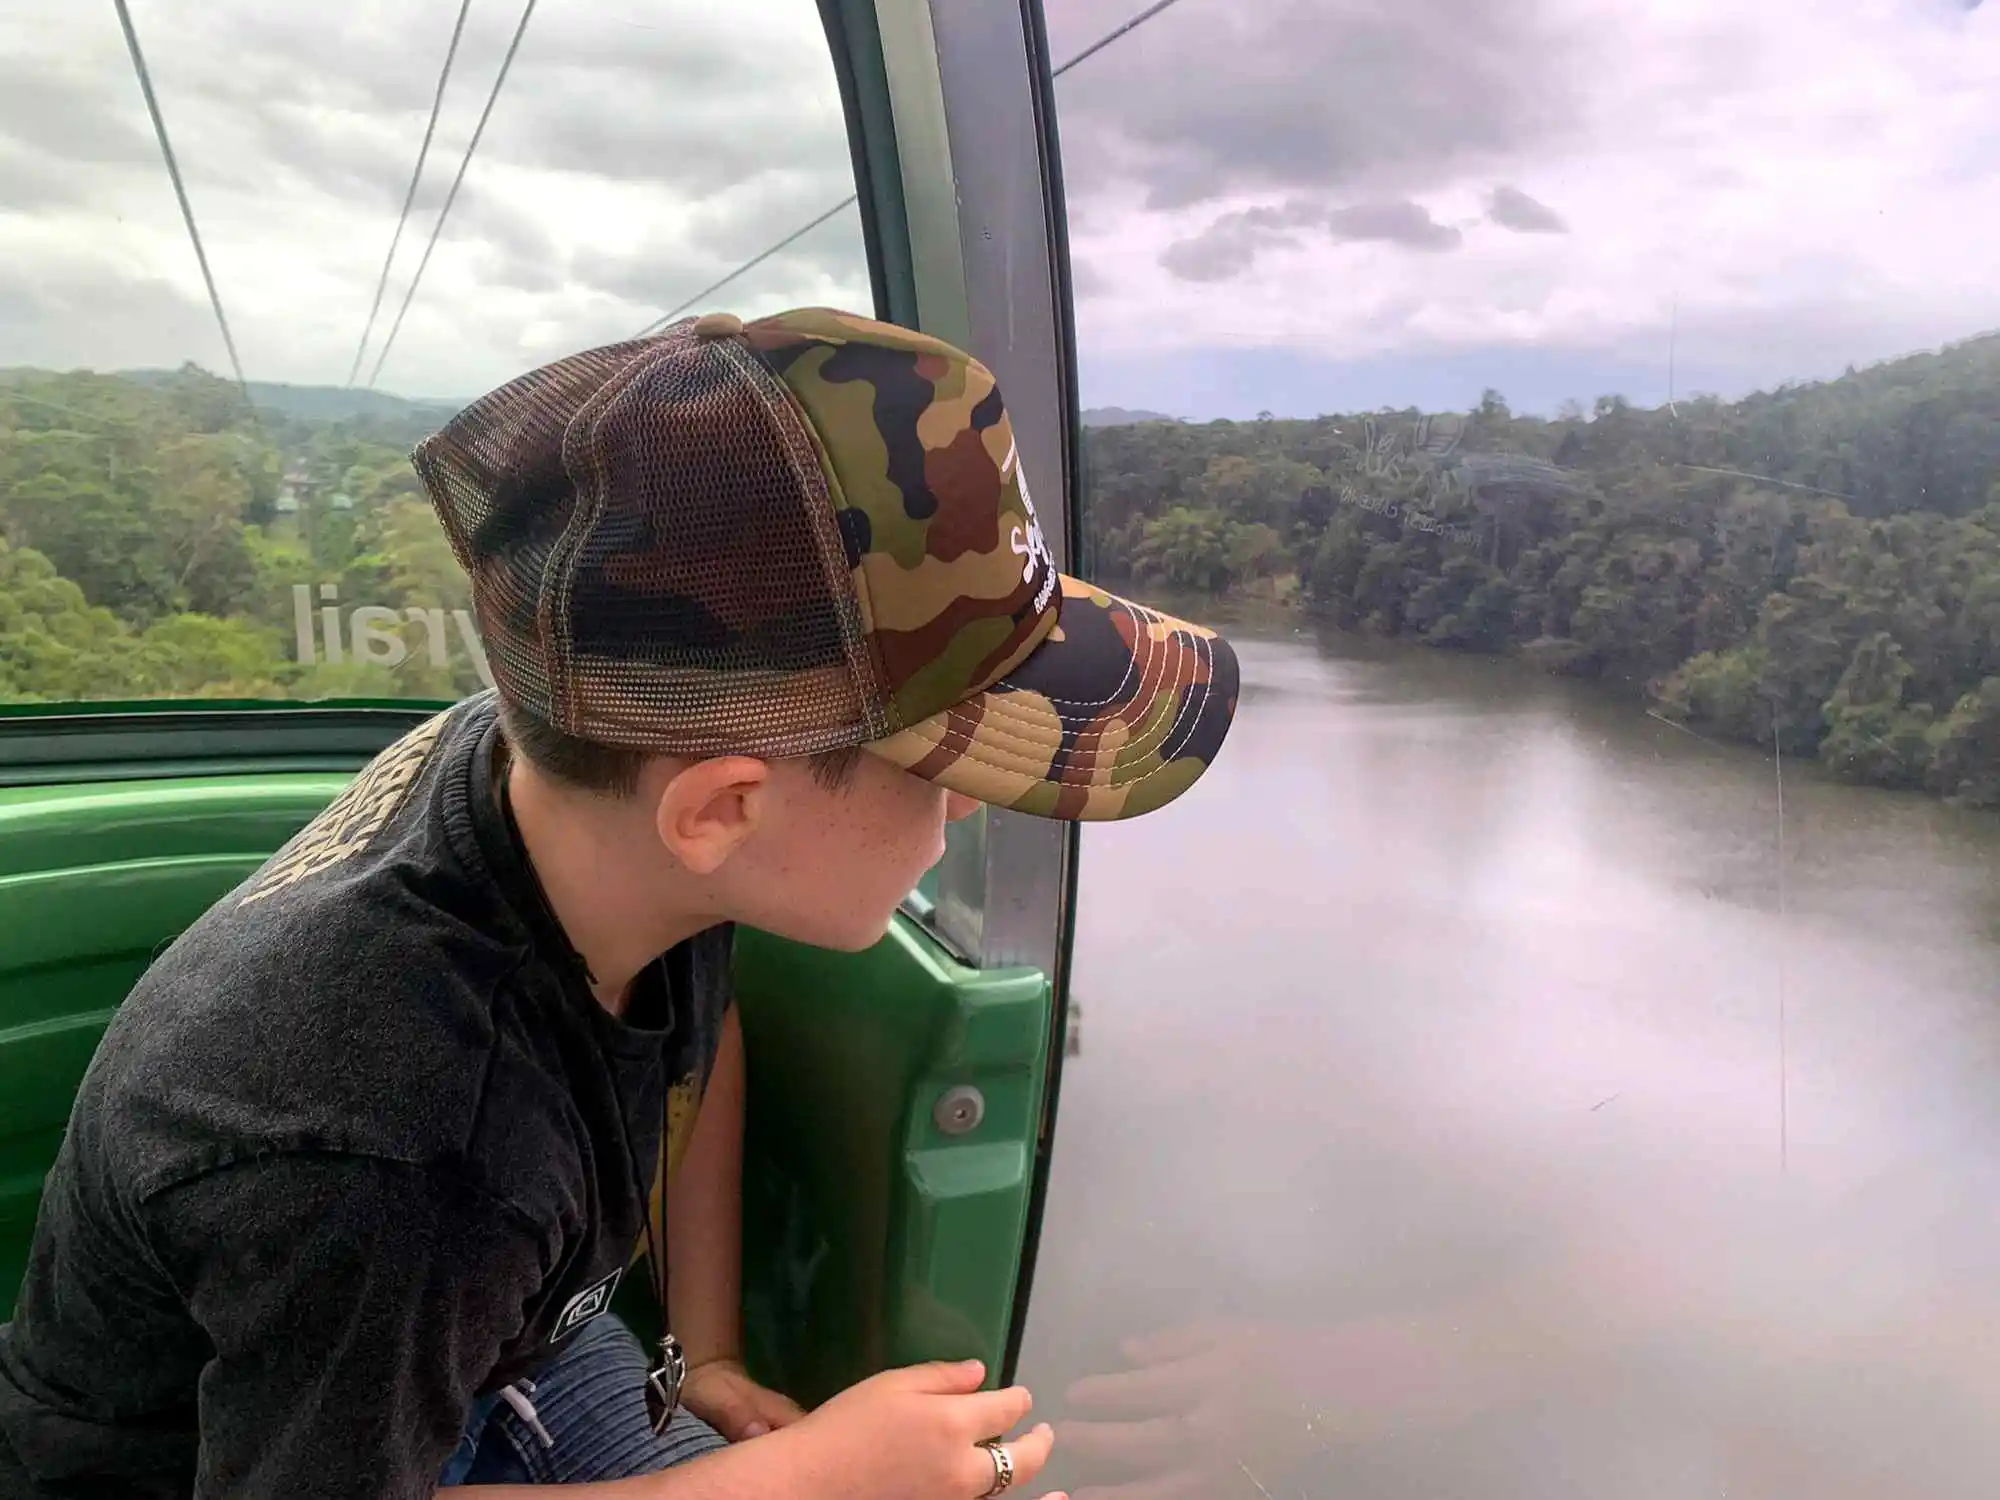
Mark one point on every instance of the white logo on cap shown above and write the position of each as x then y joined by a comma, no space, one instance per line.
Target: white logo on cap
1028,542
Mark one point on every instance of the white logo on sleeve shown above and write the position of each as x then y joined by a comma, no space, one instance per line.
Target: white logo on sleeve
1027,542
584,1306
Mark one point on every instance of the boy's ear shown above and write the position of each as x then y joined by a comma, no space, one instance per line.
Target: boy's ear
707,808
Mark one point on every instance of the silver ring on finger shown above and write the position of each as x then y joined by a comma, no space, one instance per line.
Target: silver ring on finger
1003,1467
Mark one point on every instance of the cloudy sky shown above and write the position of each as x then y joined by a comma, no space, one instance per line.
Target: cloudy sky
1293,205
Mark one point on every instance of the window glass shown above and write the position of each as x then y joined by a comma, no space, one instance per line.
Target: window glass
162,536
1553,1053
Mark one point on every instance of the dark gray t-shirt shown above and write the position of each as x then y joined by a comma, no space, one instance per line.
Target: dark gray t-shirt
360,1146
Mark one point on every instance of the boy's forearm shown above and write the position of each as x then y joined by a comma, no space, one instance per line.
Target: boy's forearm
705,1214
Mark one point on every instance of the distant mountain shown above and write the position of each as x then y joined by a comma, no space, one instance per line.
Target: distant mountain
334,403
325,403
1120,416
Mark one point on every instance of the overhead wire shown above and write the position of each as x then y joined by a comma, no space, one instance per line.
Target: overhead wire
410,197
180,190
751,264
763,255
1113,35
444,213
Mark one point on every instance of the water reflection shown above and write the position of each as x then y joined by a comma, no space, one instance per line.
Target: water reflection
1519,1117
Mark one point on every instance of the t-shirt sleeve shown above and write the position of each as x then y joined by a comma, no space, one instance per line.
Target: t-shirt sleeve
354,1306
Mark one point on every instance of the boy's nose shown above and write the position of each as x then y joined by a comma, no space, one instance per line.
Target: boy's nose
958,807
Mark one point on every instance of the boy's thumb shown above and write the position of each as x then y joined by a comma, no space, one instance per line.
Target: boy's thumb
946,1377
733,1412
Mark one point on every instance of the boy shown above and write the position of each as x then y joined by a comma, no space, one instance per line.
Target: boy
358,1165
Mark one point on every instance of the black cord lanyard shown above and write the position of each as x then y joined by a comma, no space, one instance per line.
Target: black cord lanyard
664,1380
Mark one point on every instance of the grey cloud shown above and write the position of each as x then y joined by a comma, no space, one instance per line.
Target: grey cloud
241,117
1209,257
261,96
82,316
516,229
361,58
1384,98
283,114
68,114
515,246
663,272
574,128
517,251
1513,209
29,180
1398,223
1085,279
1231,245
692,111
367,167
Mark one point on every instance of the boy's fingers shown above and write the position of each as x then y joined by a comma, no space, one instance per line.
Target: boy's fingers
731,1411
776,1409
785,1415
1030,1453
940,1377
986,1413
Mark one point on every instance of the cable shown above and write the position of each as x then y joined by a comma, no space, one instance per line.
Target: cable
1111,36
180,192
444,213
430,129
757,260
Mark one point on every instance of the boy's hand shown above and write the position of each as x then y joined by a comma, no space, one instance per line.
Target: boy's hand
723,1395
914,1434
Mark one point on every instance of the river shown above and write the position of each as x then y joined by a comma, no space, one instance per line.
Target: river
1486,1090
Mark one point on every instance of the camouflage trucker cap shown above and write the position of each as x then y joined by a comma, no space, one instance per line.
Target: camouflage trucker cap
802,533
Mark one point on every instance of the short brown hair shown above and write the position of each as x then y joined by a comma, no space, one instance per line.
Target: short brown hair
613,770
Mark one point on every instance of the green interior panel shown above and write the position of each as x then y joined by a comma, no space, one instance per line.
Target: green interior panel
872,1236
94,880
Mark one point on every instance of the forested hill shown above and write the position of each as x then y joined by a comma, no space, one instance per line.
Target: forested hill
158,538
328,403
1818,564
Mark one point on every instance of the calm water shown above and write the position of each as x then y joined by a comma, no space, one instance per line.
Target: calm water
1485,1092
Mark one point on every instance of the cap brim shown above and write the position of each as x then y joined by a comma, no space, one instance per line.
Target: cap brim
1116,713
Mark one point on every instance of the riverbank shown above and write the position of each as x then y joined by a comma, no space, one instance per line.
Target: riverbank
1860,741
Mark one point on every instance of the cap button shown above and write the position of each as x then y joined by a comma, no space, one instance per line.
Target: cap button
717,326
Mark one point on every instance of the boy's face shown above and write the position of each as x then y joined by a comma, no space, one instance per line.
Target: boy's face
830,866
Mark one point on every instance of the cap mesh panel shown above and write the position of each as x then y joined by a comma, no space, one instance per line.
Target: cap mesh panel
654,556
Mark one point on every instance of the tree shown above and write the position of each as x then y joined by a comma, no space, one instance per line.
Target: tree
196,517
200,656
1187,549
1965,762
55,644
1870,736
